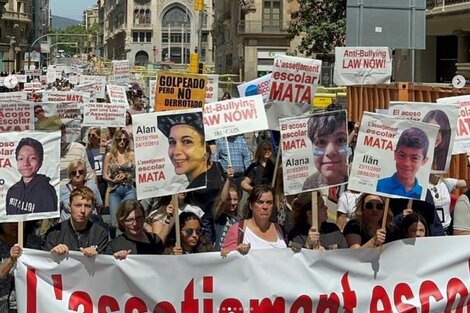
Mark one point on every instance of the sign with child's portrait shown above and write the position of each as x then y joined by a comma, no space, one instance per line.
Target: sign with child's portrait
462,136
314,151
443,115
393,157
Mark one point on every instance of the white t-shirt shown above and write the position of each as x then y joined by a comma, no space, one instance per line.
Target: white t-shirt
347,203
258,243
441,195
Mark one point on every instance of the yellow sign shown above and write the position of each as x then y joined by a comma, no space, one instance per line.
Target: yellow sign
323,100
179,91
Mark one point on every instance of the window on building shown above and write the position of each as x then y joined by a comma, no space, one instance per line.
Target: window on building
176,16
271,14
148,37
135,36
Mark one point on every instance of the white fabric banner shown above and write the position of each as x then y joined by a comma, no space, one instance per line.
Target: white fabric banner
293,86
443,115
264,281
462,138
121,71
212,91
16,116
104,115
66,96
234,117
311,165
17,95
258,86
39,198
362,66
163,164
382,167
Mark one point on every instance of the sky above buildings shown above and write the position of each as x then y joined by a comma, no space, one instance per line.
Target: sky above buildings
70,8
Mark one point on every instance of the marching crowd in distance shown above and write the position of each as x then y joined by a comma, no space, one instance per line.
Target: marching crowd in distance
239,210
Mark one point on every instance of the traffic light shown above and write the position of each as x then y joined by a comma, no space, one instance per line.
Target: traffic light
200,68
193,63
199,5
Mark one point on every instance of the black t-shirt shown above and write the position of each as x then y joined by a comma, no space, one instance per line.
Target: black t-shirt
259,174
330,235
353,227
123,242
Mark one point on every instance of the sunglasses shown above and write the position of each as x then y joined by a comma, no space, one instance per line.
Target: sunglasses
122,140
190,231
79,172
436,193
372,205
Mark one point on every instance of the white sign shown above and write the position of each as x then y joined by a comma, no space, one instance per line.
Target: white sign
393,157
265,281
234,117
362,66
104,115
117,94
121,71
13,96
212,91
152,91
293,86
99,83
39,198
258,86
16,116
445,116
462,138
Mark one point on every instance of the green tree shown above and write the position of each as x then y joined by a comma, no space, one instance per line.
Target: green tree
321,25
78,43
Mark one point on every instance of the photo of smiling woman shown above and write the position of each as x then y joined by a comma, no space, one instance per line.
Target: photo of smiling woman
186,145
441,147
32,193
329,138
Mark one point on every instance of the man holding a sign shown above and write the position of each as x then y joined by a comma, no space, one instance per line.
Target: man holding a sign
410,154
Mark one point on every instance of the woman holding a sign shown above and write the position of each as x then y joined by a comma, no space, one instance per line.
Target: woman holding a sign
365,230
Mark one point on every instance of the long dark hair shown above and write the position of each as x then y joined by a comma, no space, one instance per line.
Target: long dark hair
409,220
441,151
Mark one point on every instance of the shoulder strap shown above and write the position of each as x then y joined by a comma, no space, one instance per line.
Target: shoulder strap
241,231
280,230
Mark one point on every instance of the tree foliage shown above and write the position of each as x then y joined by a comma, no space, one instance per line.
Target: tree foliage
321,24
77,43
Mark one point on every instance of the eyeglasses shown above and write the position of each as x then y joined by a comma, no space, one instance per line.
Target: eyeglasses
122,140
436,193
190,231
93,136
130,221
371,205
79,172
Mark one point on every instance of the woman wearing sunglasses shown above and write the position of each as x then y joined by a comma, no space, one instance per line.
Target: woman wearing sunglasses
191,234
365,230
77,173
119,172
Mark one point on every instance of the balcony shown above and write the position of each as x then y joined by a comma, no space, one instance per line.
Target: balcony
431,4
16,16
142,26
262,27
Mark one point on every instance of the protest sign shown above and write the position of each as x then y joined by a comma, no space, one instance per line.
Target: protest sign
89,88
362,66
21,78
121,71
393,157
66,96
314,151
16,116
212,91
117,95
99,83
104,115
292,88
152,91
258,86
178,91
32,86
13,96
234,117
51,76
345,280
37,163
54,115
444,116
164,164
462,137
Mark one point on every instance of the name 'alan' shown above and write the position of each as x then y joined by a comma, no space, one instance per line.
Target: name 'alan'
145,129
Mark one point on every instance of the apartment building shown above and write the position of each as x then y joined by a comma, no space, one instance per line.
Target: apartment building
250,33
156,31
91,16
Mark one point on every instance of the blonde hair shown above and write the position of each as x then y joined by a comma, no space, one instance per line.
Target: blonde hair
73,165
114,146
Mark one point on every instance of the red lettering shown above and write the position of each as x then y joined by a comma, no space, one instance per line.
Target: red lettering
403,290
107,302
135,303
211,120
379,294
266,306
189,304
31,294
349,296
57,283
164,307
303,302
330,303
426,290
80,299
456,286
230,303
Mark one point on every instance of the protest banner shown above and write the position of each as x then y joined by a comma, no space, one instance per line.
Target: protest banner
393,157
89,88
73,79
117,95
462,137
99,83
178,91
292,88
32,86
16,116
347,280
13,96
362,66
54,115
258,86
21,78
164,166
445,116
66,96
104,115
152,91
121,71
31,157
325,135
212,91
234,117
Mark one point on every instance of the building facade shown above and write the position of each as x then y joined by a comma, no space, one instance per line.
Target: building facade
156,31
91,16
249,34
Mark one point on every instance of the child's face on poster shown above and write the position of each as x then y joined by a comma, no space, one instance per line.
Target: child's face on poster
330,155
408,161
28,162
